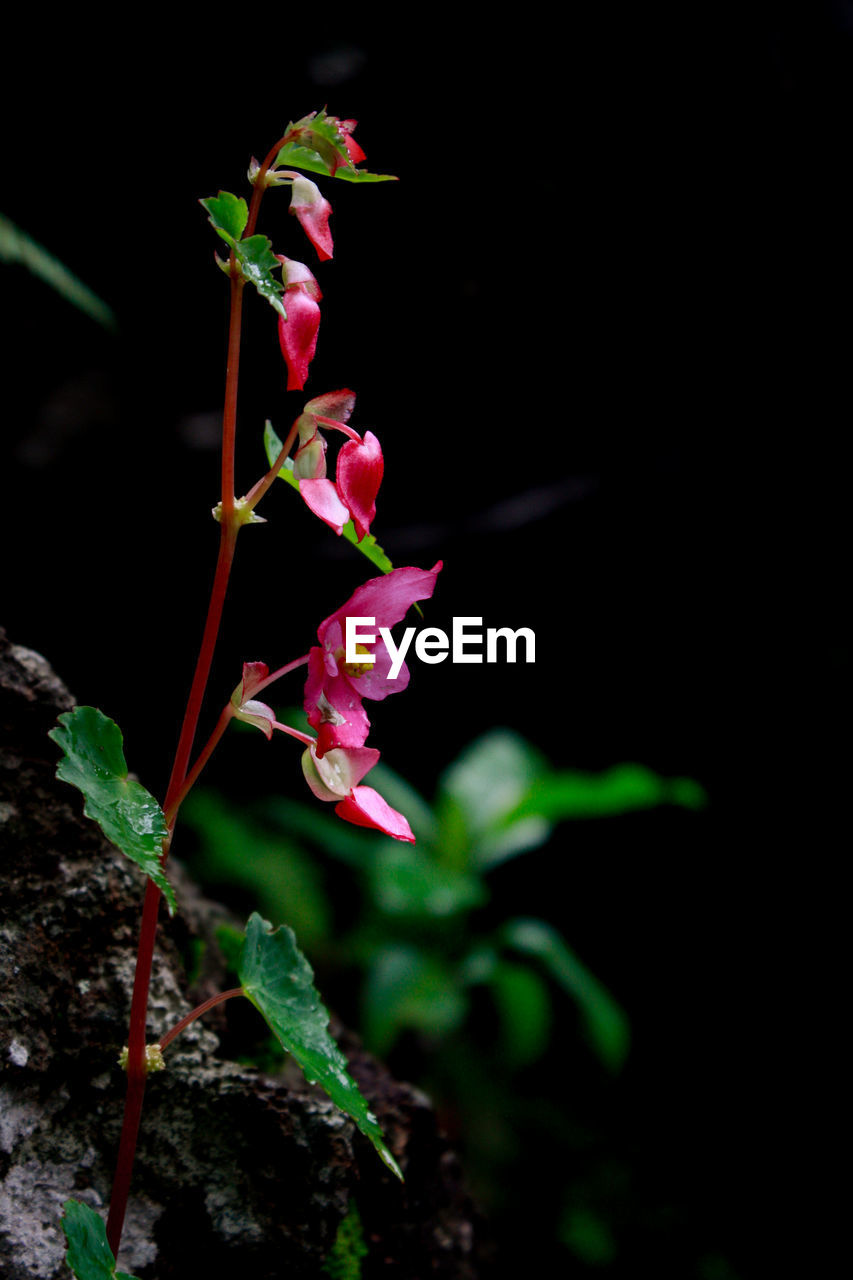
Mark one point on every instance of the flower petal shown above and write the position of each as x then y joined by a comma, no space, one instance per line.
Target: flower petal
333,707
358,477
322,497
258,714
333,404
387,598
333,775
312,210
365,808
254,674
297,335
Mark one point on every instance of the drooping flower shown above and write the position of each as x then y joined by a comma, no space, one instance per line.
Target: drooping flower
359,470
335,688
336,775
359,474
312,209
297,335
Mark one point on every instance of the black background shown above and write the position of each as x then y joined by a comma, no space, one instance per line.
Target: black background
600,327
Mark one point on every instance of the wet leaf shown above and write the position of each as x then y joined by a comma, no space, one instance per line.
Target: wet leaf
279,981
88,1254
129,816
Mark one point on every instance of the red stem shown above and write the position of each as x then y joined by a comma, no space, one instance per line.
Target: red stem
175,790
196,1013
258,490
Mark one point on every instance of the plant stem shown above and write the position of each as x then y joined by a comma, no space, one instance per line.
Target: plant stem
148,928
175,790
196,1013
258,490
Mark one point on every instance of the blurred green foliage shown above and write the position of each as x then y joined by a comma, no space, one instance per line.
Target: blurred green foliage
412,940
466,998
17,246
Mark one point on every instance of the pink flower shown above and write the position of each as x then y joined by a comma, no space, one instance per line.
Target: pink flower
335,777
312,210
335,689
359,475
297,334
359,467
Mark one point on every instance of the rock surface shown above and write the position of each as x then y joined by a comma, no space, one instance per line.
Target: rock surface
234,1166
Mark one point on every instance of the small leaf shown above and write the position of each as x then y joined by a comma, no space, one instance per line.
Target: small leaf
129,816
294,156
88,1254
278,980
319,144
368,546
228,215
606,1022
257,263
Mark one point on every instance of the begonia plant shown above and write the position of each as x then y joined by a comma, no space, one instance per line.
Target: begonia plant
336,757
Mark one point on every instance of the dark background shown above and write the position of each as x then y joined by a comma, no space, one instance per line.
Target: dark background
600,327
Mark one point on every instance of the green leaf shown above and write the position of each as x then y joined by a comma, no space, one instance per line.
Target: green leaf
257,263
368,546
495,847
129,816
278,980
228,215
88,1254
622,789
17,246
320,146
491,777
524,1005
294,156
409,988
407,884
606,1022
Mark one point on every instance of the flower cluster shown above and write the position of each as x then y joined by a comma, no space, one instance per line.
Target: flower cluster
297,330
337,760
